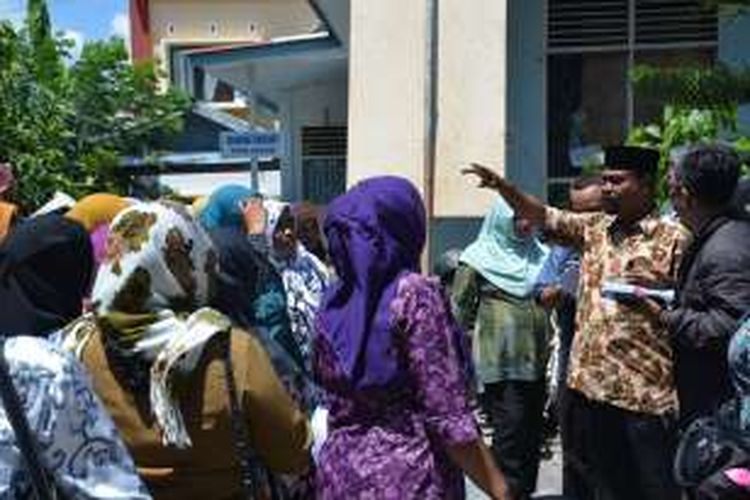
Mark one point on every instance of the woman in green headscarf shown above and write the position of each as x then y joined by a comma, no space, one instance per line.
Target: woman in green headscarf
492,296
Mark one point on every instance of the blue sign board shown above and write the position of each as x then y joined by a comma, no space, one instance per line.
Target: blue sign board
252,145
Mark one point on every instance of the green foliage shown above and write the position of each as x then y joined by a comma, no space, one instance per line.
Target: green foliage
65,128
718,88
700,106
45,54
679,127
117,105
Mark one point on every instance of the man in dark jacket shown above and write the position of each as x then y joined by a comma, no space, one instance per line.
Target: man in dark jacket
713,290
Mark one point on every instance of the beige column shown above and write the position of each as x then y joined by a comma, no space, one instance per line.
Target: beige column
387,61
388,95
471,101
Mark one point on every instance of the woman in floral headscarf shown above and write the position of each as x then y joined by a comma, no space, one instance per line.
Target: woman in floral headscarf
739,365
190,394
712,460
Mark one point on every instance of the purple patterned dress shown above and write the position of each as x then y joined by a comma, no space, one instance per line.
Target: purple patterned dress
390,442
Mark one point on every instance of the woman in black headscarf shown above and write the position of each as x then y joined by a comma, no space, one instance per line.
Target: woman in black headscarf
45,271
251,293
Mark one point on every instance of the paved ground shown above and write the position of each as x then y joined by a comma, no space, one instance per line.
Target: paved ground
549,485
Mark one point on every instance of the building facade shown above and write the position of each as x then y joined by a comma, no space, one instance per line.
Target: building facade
256,65
422,88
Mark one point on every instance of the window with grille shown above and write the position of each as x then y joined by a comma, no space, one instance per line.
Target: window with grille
323,163
578,25
669,22
592,46
587,23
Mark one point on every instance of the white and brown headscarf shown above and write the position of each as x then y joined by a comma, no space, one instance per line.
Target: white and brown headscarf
150,292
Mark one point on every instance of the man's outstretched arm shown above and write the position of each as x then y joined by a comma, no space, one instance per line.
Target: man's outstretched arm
524,205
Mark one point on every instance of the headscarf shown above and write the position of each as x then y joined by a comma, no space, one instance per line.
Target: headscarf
99,238
97,209
739,369
224,207
251,293
45,271
8,214
59,203
305,280
307,222
96,212
148,296
508,262
375,232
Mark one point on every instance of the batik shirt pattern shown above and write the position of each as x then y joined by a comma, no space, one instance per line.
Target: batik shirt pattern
620,356
79,443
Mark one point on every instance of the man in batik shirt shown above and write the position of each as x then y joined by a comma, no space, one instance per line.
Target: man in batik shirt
622,393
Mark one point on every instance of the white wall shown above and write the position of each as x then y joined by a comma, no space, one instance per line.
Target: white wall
387,70
322,104
471,97
388,95
236,20
205,183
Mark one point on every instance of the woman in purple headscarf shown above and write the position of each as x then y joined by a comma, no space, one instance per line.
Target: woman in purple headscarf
392,360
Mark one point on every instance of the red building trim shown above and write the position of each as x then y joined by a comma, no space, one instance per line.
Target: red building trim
140,30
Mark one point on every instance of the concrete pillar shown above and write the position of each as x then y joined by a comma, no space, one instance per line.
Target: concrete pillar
472,109
389,102
387,69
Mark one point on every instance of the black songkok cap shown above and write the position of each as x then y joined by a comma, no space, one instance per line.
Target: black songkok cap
641,160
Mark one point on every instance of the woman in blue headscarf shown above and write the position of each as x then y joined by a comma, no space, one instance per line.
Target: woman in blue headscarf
492,296
249,289
225,207
391,360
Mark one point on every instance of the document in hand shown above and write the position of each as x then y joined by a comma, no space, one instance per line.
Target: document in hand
629,292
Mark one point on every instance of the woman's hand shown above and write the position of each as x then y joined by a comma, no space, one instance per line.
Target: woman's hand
476,460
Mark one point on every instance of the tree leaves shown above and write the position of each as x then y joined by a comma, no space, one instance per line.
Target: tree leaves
65,128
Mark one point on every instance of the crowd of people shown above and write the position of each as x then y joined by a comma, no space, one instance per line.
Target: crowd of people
244,347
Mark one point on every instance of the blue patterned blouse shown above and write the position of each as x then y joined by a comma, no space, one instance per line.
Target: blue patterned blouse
80,445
